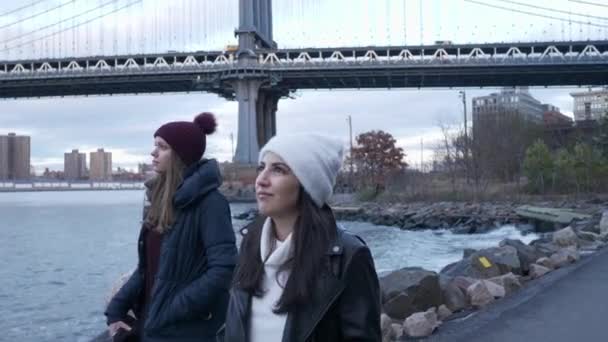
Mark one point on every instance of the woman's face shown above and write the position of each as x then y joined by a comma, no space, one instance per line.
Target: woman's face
161,155
276,188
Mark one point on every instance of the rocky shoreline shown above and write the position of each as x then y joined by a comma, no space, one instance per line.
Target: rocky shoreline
459,217
415,301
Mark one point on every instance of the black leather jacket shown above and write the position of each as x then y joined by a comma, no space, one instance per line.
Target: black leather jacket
345,307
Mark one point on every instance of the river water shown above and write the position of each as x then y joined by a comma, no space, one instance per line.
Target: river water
61,253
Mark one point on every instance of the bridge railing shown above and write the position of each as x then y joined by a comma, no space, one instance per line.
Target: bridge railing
308,58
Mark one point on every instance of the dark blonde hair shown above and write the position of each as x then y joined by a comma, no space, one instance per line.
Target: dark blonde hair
161,214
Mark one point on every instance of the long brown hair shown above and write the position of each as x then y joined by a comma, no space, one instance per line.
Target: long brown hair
314,230
161,214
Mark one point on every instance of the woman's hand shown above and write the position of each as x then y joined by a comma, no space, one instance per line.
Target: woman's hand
113,328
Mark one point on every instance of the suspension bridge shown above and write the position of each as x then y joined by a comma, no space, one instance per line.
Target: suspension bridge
258,51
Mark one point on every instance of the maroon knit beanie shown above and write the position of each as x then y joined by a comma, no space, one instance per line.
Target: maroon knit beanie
188,139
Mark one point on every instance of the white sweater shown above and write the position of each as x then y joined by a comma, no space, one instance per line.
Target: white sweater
266,326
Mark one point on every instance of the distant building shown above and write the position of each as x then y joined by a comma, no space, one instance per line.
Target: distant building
590,105
553,116
15,157
75,165
101,166
4,164
508,100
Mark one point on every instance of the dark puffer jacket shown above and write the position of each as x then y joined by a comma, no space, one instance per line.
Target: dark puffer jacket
197,258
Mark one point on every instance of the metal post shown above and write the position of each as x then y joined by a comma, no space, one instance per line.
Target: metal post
350,139
466,135
421,154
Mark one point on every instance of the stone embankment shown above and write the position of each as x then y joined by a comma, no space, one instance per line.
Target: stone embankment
415,301
459,217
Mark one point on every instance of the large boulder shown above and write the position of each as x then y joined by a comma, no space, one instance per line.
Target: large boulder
537,271
479,295
397,331
564,257
546,262
386,327
544,246
409,290
443,312
527,254
486,263
453,296
588,236
510,282
565,237
421,324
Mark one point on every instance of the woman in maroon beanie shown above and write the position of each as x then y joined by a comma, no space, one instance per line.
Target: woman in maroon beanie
187,250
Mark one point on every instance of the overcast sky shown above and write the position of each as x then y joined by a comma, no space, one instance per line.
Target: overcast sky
124,124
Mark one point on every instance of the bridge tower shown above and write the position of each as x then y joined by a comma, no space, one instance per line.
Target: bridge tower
254,91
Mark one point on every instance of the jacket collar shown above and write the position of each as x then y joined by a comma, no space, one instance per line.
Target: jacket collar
281,253
199,179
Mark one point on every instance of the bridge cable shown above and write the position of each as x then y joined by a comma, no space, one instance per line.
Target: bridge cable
553,9
37,14
57,23
21,8
589,3
71,27
535,14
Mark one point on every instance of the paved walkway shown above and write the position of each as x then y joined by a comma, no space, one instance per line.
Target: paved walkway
571,304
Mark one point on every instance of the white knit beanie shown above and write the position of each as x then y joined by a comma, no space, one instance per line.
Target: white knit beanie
314,159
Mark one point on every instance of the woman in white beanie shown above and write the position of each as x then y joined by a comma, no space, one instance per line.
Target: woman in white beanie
300,278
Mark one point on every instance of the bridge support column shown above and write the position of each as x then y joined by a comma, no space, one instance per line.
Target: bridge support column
267,115
257,119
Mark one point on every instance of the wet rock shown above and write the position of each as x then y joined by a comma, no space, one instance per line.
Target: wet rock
443,312
510,282
526,254
589,236
421,324
453,296
463,283
497,291
544,246
565,237
409,290
467,252
590,226
397,331
385,325
537,271
545,262
564,257
486,263
479,295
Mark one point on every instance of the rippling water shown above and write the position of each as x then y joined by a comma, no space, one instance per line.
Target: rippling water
61,253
